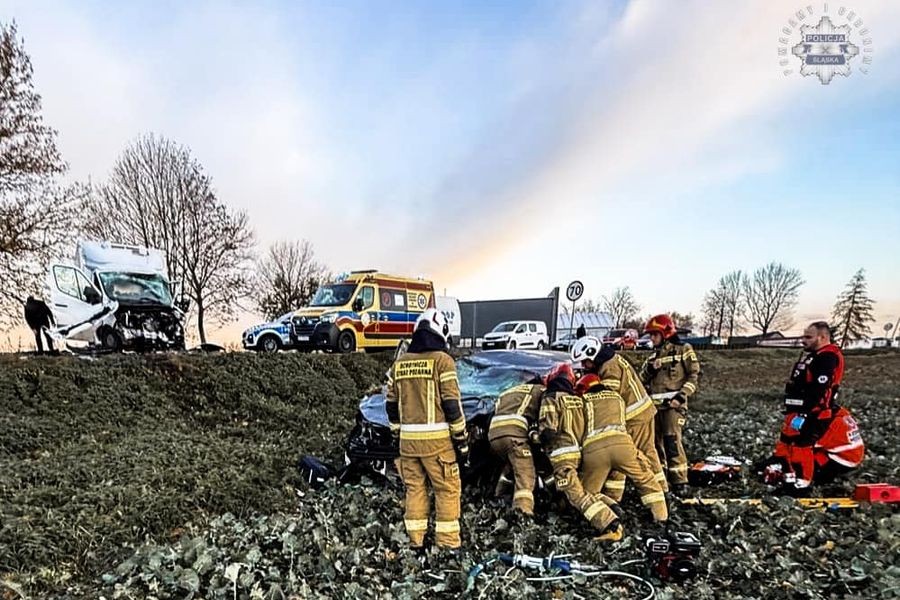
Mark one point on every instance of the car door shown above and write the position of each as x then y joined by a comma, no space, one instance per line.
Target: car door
365,306
73,298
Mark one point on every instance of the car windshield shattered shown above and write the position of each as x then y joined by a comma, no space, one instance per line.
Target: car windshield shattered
136,288
482,378
333,295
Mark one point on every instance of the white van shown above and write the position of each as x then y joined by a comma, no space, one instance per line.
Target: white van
449,306
517,334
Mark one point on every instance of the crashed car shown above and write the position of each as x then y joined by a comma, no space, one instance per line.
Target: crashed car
482,378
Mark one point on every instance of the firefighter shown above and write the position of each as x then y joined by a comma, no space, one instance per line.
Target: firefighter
516,413
819,439
39,318
671,374
607,447
425,411
618,374
560,430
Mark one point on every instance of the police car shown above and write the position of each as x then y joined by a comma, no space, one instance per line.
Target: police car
269,337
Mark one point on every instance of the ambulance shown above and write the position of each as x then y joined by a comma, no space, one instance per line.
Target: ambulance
364,310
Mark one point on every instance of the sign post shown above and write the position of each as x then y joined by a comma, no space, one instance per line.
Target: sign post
573,293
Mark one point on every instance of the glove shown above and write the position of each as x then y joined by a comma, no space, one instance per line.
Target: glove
678,401
797,422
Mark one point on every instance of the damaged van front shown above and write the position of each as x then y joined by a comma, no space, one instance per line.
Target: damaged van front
115,296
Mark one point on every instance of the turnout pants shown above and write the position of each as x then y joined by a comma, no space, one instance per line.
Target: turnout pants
669,423
600,459
643,434
517,458
594,507
442,473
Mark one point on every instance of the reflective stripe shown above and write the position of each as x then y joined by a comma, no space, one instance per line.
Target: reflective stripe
458,426
842,448
679,468
591,511
424,427
430,401
612,383
446,526
448,376
841,461
416,524
575,455
690,354
637,407
689,386
658,398
653,498
660,476
517,420
565,450
614,484
600,436
523,494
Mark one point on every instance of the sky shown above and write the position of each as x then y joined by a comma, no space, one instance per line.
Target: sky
505,148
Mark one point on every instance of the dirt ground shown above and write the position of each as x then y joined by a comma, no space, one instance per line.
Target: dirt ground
174,476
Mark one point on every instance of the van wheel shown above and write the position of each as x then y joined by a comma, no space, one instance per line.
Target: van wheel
511,345
346,342
269,343
540,345
110,339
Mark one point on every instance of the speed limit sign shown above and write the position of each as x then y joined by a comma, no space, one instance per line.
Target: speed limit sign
574,291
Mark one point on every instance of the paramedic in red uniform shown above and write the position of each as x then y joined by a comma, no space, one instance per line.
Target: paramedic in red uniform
819,439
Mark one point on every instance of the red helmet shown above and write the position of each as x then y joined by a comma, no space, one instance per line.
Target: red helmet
560,370
586,383
661,324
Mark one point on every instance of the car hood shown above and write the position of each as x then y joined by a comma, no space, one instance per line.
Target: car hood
482,378
263,326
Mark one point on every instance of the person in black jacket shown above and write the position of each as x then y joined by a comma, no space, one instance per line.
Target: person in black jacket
39,319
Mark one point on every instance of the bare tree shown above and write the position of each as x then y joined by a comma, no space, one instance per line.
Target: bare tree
682,320
732,290
158,196
37,214
714,310
621,305
288,276
852,316
770,295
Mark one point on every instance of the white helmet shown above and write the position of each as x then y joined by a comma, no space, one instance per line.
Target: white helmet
586,348
434,320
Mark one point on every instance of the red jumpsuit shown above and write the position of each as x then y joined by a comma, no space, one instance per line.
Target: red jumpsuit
819,439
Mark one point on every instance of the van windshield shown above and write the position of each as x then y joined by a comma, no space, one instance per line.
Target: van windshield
137,288
336,294
505,327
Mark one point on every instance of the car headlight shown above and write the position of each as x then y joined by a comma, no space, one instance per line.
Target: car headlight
328,318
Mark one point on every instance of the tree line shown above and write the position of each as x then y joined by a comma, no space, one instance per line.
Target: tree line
157,195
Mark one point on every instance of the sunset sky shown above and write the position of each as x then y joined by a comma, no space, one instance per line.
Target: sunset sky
503,148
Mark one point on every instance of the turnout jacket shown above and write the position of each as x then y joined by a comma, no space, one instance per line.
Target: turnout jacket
516,411
423,403
814,383
617,374
604,417
561,425
671,369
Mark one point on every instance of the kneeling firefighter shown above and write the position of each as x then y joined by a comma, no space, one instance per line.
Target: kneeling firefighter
819,439
607,447
617,374
516,413
671,374
424,409
560,430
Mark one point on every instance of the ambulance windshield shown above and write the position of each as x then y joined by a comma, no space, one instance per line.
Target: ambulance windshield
336,294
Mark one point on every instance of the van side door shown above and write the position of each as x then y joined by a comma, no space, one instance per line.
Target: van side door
73,298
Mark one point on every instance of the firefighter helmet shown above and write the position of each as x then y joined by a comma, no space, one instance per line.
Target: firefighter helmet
661,324
434,321
586,348
560,370
586,382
